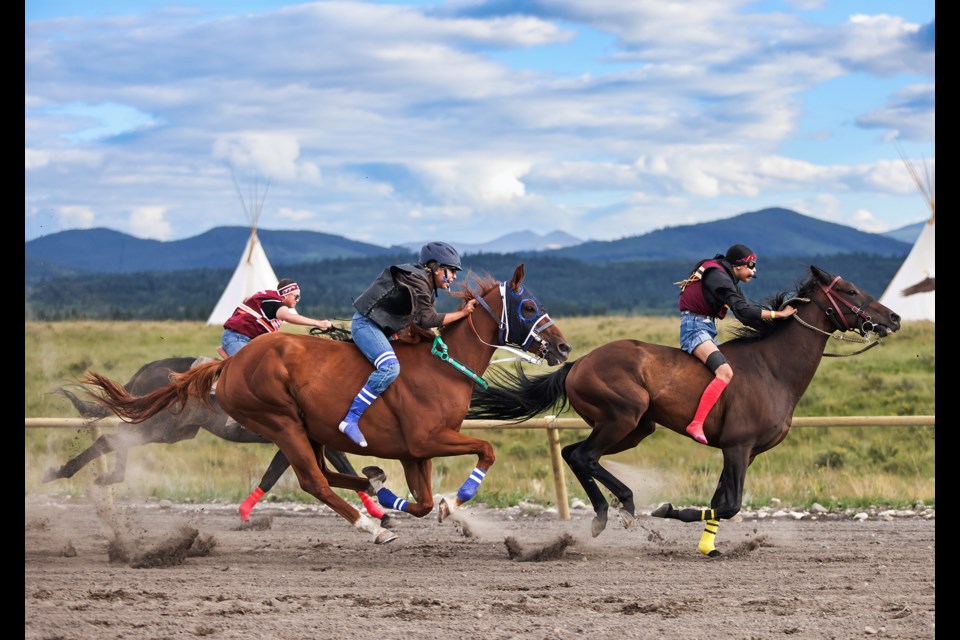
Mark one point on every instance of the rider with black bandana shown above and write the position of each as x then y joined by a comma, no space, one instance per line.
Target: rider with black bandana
711,289
400,295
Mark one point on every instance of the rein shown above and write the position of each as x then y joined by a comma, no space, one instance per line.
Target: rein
439,349
837,336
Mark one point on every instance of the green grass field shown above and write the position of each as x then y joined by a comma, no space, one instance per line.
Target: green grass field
839,467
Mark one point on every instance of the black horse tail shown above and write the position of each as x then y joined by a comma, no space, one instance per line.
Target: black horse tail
517,397
195,383
87,410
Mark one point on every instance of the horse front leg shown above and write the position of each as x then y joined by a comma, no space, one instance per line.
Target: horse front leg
725,504
418,474
446,442
277,467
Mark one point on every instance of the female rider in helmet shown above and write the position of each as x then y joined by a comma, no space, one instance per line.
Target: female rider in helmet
401,294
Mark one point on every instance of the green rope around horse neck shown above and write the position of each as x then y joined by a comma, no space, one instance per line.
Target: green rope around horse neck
439,349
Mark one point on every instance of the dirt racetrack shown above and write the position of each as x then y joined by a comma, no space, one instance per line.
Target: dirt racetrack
158,570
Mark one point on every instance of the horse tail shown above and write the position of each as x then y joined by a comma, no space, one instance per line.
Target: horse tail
195,383
518,397
87,410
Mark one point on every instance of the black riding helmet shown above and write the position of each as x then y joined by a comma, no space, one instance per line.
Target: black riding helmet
441,253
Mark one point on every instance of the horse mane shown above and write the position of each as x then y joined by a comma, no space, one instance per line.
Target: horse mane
802,289
413,333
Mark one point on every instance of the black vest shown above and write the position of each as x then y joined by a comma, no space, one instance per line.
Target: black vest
387,303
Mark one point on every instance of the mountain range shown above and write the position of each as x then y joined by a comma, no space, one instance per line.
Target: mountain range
770,232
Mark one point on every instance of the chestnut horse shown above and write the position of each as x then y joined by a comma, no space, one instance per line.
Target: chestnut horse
624,389
293,389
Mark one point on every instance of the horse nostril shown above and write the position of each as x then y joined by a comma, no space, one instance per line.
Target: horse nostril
564,349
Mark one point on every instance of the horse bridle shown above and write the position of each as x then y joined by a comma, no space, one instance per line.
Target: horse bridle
503,324
865,324
838,315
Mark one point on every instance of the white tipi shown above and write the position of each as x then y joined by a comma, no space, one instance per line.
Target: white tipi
911,293
253,273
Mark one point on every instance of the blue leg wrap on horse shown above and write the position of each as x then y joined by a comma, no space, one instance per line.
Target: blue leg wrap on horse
469,488
390,500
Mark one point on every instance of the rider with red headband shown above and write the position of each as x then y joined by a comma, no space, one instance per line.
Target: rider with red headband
264,312
705,296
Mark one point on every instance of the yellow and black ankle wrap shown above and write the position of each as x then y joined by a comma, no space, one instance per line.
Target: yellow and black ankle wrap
707,538
708,514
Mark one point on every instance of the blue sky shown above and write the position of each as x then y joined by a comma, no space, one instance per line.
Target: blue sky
392,122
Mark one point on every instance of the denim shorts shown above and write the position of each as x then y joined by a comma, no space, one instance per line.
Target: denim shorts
695,330
231,341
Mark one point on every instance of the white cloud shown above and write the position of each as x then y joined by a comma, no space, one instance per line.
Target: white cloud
377,121
75,217
150,222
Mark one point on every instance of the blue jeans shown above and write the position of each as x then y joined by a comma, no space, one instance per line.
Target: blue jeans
695,330
374,344
233,341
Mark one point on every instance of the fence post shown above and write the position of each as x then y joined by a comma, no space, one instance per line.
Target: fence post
559,478
95,433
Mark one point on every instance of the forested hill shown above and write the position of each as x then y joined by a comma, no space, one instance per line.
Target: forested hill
771,232
100,273
566,286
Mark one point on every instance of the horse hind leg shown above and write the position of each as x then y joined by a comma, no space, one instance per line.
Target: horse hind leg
623,493
580,465
100,447
289,435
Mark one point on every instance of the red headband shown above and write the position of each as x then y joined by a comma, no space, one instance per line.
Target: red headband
287,290
747,259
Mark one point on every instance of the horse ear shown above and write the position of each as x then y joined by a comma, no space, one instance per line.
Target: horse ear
820,274
517,277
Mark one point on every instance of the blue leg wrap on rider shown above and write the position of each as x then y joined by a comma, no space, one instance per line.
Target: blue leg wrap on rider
390,500
469,488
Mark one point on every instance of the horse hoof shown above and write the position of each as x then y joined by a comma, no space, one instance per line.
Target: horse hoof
374,473
597,526
713,553
626,518
385,537
387,522
662,511
49,476
444,510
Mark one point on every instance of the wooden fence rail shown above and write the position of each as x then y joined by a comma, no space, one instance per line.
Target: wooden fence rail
552,425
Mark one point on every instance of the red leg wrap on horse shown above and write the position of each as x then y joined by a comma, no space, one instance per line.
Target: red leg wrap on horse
247,505
372,507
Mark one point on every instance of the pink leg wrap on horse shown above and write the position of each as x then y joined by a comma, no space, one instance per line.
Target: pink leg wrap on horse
372,507
709,398
247,505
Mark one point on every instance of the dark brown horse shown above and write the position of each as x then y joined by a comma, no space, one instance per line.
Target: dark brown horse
625,388
293,390
168,427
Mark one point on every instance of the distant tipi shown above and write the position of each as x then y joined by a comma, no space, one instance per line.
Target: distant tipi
253,273
912,292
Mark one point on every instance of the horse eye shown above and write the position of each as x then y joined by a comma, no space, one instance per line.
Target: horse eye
528,311
852,292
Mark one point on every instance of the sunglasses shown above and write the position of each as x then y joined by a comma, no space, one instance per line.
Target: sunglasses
296,298
749,264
